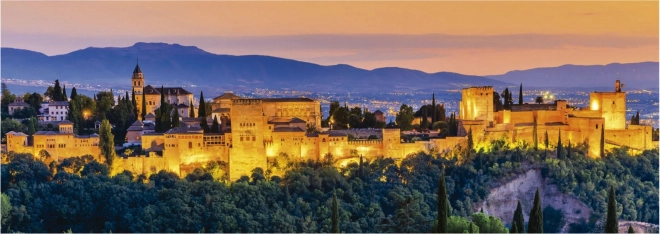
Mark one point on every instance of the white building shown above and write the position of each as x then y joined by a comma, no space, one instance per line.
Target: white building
53,111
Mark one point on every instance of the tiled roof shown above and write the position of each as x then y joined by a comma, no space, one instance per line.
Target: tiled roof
168,90
287,120
137,69
297,120
150,115
227,96
184,130
182,106
16,133
336,134
59,103
65,122
378,112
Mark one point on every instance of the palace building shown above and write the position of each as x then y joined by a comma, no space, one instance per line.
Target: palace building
257,132
606,111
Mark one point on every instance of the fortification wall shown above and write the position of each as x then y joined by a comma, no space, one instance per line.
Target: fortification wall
144,165
477,104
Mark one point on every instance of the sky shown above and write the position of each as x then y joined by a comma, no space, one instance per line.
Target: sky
477,38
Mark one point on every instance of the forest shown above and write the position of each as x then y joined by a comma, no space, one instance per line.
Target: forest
377,195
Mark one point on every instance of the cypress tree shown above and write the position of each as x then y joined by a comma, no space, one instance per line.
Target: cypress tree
191,114
31,127
470,141
134,102
602,141
425,121
470,230
205,125
560,148
520,96
64,93
175,119
568,150
144,106
57,92
505,95
535,224
547,144
434,115
612,223
74,93
107,142
535,136
482,210
518,223
442,205
335,214
202,105
630,229
215,128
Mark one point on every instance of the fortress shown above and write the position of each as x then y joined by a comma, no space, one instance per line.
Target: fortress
607,110
256,132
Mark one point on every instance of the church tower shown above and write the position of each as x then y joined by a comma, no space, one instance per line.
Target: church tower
138,87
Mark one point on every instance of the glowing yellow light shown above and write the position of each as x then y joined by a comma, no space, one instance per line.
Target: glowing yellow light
594,105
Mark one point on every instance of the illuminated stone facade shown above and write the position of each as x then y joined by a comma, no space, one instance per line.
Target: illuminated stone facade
607,109
60,144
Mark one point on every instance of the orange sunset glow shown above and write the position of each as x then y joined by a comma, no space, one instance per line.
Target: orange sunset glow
480,38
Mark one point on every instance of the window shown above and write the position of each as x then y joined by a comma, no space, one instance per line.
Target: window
189,145
596,126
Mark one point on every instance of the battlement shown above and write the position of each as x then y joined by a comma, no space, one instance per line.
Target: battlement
246,101
484,88
365,142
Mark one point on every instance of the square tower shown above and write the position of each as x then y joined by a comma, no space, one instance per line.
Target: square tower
611,106
477,103
247,148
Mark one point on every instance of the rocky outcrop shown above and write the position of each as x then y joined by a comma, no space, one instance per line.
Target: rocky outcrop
502,200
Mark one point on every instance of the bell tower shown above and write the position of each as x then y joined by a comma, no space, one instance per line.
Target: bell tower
138,87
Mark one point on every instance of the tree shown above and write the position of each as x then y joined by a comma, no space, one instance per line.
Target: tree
107,143
520,95
9,125
175,119
7,98
202,105
539,99
57,94
405,117
6,208
31,128
612,222
369,120
144,106
191,114
568,149
105,102
335,214
497,102
134,104
630,229
205,125
535,135
442,205
488,223
215,128
64,93
425,121
434,115
34,100
535,224
470,141
560,148
602,140
518,223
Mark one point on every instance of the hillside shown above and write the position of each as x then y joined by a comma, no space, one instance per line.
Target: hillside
633,75
188,65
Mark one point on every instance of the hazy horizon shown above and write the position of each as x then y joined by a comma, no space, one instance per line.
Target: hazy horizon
476,38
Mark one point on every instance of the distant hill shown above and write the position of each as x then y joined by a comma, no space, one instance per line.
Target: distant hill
174,64
633,75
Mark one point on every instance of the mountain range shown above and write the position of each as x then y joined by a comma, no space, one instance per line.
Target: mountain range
174,64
